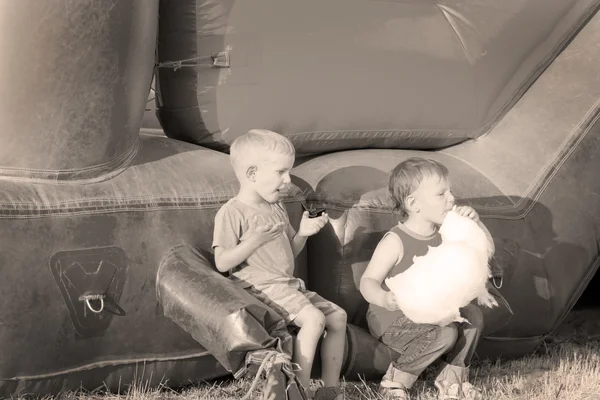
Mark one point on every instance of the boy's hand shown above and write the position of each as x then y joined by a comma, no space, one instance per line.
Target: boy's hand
268,232
467,211
389,302
310,226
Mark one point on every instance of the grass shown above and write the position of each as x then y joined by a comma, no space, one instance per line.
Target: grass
564,371
566,367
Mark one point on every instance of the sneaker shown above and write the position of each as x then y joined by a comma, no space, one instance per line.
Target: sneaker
394,393
447,391
329,393
456,391
470,392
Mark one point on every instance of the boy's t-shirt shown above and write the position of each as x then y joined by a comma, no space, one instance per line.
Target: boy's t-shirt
379,319
271,262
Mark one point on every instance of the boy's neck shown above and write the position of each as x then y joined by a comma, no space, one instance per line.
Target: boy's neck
250,197
420,226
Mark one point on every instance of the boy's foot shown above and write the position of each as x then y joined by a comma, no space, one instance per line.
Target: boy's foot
394,393
449,392
329,393
456,391
470,392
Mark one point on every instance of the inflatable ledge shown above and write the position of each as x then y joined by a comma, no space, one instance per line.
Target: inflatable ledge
224,319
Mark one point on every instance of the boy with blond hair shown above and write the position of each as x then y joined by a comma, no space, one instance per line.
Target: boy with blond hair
255,242
420,189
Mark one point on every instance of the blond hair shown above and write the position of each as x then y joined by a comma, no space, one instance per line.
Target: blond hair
254,146
406,177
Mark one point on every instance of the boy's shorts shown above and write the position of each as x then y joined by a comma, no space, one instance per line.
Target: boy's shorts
288,301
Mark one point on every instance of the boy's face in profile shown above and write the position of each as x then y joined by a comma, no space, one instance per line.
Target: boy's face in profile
434,199
272,175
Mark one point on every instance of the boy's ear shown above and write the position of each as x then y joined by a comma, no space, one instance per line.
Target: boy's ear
411,204
251,173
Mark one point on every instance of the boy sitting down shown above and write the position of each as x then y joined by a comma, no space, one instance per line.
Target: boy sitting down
255,242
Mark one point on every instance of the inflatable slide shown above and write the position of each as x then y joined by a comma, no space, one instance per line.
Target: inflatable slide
107,277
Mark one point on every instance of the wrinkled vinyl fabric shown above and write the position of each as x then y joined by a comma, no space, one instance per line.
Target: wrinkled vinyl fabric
236,328
348,74
533,180
227,321
74,78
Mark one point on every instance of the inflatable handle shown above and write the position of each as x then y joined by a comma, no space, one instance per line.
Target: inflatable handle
88,297
500,280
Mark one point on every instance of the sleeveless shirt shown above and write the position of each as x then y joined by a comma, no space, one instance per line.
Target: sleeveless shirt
379,319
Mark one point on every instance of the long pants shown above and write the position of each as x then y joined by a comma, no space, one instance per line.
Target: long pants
422,344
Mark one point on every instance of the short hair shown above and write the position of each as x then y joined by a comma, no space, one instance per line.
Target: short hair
252,146
406,177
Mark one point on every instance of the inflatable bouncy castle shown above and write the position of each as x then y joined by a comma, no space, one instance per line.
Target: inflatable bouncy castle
107,210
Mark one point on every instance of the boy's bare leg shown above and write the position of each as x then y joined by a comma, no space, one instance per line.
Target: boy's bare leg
311,322
332,348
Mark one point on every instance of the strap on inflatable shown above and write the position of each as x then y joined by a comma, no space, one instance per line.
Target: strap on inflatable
219,60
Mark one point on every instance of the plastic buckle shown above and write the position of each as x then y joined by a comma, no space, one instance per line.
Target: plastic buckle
221,59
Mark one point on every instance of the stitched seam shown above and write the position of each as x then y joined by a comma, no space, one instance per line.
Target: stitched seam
102,364
96,173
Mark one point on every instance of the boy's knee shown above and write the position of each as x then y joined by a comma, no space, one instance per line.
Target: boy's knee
448,337
336,321
474,315
312,318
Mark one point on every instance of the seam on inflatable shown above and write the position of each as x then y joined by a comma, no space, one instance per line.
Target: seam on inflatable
343,249
91,174
215,196
543,179
554,167
564,151
321,136
561,45
116,204
466,162
103,364
513,339
108,206
153,132
110,163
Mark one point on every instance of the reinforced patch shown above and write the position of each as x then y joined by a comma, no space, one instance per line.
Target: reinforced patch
91,282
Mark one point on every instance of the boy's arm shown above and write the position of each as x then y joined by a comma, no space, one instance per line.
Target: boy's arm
229,252
231,257
311,227
297,242
387,253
